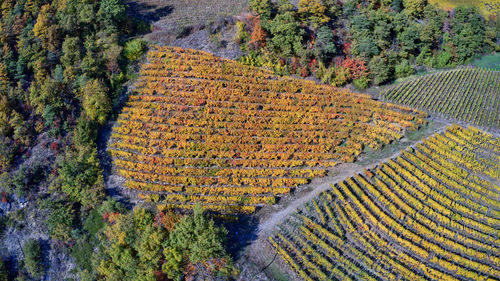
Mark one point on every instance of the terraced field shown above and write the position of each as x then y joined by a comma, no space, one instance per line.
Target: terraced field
201,129
431,213
470,95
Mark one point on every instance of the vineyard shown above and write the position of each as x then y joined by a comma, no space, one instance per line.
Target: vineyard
468,94
431,213
202,129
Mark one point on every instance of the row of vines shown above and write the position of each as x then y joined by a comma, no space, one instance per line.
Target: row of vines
202,129
431,213
471,95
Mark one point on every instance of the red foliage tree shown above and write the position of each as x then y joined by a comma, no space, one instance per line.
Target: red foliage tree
258,36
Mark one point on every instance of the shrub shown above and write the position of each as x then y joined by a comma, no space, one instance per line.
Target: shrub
134,49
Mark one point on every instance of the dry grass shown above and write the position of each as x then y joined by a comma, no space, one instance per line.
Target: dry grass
487,7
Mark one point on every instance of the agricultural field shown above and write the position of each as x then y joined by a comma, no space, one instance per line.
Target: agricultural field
470,95
202,129
430,213
487,7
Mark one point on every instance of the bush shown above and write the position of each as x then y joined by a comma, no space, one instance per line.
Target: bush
134,49
361,83
404,69
443,59
33,258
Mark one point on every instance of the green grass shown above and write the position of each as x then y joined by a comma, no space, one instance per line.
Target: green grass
489,62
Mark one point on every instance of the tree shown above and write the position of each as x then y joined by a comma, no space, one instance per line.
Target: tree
4,276
46,29
33,258
134,49
61,220
409,40
263,8
414,8
286,34
469,33
379,69
132,247
313,11
382,30
96,103
404,69
195,239
111,11
71,57
258,36
325,45
80,177
397,5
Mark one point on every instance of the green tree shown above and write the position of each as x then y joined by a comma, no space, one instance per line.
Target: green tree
80,177
325,45
71,57
409,40
404,69
61,220
112,11
380,70
134,49
4,276
132,247
33,258
287,34
264,8
195,239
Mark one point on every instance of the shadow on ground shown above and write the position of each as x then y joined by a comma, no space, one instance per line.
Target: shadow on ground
241,233
148,12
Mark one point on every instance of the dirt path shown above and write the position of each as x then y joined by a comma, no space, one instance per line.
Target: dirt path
340,172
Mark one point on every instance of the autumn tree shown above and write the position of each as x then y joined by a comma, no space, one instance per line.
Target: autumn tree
258,36
313,11
46,29
96,103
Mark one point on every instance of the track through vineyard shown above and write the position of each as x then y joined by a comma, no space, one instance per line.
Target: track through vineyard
202,129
